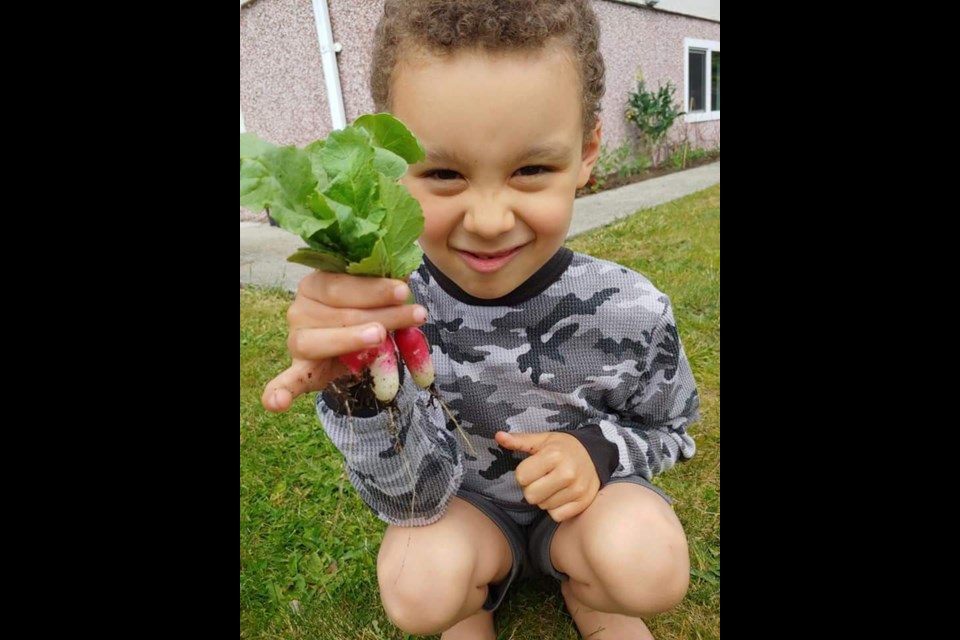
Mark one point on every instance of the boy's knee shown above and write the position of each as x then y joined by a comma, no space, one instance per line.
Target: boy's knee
425,609
646,571
424,595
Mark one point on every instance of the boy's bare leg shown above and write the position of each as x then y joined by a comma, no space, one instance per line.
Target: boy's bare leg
597,625
479,626
627,557
432,578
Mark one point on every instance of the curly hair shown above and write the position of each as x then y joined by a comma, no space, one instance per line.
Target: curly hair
443,27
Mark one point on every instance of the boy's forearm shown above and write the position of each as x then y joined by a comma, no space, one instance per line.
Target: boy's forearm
654,438
404,463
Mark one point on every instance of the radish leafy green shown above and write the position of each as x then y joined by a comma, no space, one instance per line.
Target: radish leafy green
341,196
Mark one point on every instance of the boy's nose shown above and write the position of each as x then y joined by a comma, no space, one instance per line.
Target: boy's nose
489,219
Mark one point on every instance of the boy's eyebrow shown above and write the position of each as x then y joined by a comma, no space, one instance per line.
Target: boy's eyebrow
546,150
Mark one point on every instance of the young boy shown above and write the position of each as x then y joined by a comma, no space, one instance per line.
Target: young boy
566,372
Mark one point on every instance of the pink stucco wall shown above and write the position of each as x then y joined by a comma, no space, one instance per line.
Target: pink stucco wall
635,39
282,93
283,96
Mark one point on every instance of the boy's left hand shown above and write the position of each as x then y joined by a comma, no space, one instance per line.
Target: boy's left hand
559,476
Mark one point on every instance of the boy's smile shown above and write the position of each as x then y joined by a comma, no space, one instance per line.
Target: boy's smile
505,155
489,262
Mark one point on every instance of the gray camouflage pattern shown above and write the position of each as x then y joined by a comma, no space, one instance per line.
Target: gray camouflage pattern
598,347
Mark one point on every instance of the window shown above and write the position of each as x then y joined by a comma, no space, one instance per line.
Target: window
715,82
702,80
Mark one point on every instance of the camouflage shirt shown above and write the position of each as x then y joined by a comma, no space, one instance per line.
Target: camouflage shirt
584,346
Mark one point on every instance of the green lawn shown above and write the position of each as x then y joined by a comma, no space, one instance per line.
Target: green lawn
308,545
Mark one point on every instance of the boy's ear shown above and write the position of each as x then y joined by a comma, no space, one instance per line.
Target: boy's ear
591,153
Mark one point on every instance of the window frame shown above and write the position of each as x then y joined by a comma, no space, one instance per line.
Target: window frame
709,46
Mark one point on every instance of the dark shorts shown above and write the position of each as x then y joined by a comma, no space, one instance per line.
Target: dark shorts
530,544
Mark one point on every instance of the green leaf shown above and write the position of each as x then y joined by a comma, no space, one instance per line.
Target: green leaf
341,196
346,151
389,163
312,566
314,149
406,262
321,207
377,264
278,177
275,593
356,188
252,146
392,135
320,260
358,235
403,224
300,221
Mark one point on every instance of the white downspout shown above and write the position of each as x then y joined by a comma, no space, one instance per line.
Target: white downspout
328,54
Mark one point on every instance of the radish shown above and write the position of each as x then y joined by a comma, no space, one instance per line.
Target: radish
386,377
342,196
359,360
415,351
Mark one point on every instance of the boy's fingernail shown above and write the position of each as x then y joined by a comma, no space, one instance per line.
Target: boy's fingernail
420,314
401,293
371,335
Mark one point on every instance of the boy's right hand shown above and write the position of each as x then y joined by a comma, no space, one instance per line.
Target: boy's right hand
335,314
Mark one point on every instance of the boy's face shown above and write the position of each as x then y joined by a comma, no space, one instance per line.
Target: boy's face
478,115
